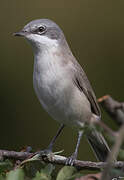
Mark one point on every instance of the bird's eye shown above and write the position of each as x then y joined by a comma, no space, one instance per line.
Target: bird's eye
41,29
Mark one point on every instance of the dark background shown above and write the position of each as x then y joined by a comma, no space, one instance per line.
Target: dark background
95,31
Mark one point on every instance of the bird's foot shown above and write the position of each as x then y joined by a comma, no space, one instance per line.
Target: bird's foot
44,153
70,160
48,153
41,155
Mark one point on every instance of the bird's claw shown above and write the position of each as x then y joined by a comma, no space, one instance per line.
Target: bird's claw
44,153
70,160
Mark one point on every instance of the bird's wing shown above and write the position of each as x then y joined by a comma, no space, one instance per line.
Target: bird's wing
81,81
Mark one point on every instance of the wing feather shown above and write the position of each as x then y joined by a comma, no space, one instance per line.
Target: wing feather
81,81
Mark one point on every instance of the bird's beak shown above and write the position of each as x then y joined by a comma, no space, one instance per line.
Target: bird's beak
20,33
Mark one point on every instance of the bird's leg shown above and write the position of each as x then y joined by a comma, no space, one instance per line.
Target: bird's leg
72,158
50,147
55,137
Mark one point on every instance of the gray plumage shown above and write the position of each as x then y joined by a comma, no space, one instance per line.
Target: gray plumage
60,83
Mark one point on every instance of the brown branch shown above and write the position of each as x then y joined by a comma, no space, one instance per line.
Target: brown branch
57,159
113,155
14,155
116,111
114,108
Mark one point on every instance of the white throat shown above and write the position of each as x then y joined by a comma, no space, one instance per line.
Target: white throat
42,43
46,53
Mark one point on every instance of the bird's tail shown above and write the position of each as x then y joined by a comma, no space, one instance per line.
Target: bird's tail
98,144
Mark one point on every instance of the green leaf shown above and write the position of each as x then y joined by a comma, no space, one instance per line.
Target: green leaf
66,172
2,177
117,173
31,168
42,176
45,174
77,175
121,154
5,166
37,177
17,174
48,169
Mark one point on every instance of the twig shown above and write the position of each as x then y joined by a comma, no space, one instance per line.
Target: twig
114,108
113,154
14,154
106,128
57,159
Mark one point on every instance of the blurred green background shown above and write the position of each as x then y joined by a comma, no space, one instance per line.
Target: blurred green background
95,31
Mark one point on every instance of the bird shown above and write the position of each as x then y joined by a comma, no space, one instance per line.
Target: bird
62,86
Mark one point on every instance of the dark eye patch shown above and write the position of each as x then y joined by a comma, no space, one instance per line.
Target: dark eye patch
39,30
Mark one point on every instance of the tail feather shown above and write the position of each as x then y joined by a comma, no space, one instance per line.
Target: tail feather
99,145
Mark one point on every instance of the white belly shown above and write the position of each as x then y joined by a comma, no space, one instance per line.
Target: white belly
60,97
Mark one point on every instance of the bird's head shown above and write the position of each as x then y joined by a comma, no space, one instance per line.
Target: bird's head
42,33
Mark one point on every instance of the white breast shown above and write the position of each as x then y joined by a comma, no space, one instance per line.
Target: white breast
50,79
56,91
